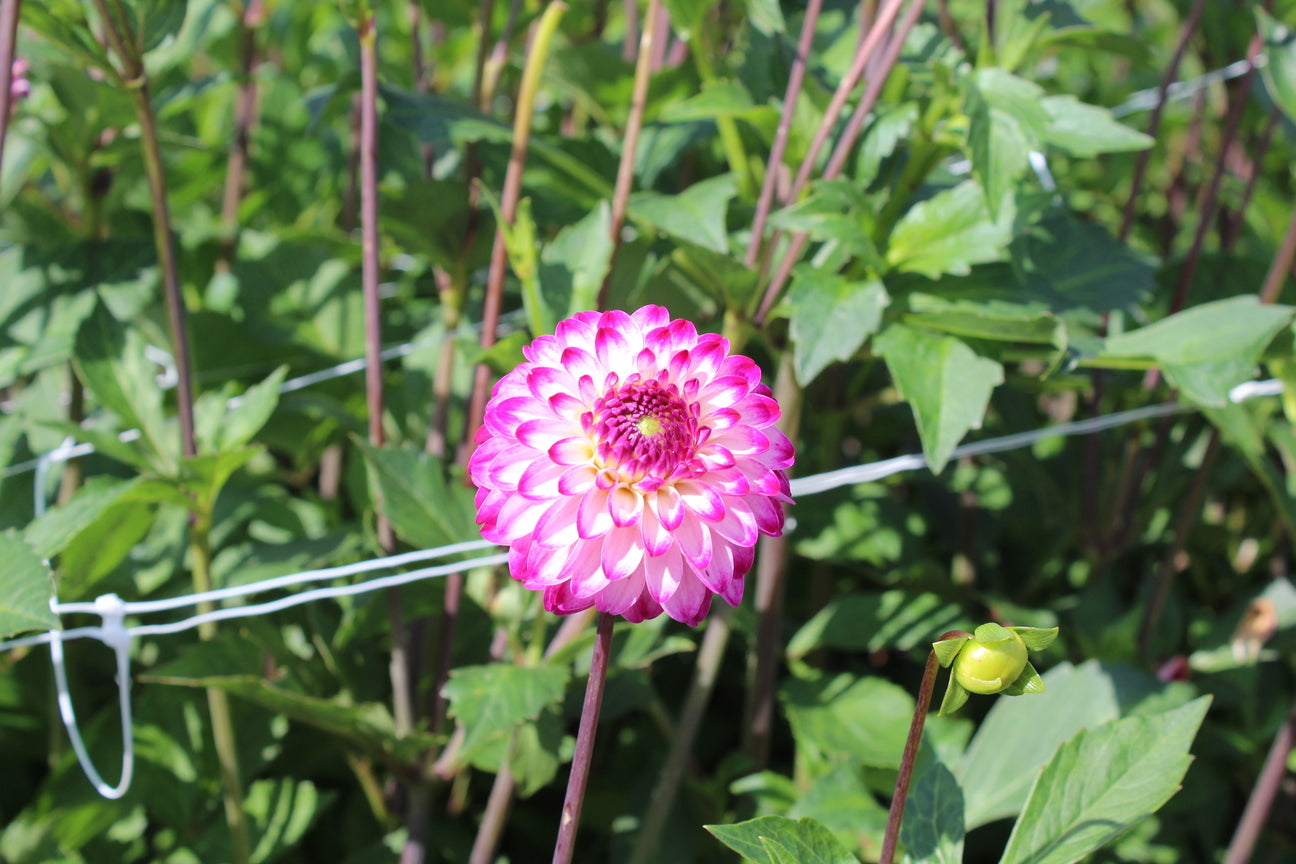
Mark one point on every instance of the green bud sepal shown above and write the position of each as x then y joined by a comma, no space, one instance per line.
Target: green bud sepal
992,660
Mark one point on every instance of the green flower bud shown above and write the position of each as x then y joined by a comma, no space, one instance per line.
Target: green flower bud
990,667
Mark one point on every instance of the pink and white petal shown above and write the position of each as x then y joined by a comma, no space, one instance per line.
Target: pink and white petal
592,517
544,382
693,537
587,583
614,351
577,480
620,597
663,574
669,507
503,417
543,567
708,355
584,567
742,441
656,539
715,457
543,433
739,523
769,516
733,594
723,392
644,608
576,450
578,362
648,318
622,553
518,517
507,468
625,506
759,410
539,481
690,603
701,499
557,526
560,600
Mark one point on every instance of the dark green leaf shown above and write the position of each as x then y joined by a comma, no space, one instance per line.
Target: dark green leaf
1130,768
944,381
424,509
574,264
696,215
1208,349
25,588
807,841
1005,123
950,232
932,830
1088,130
491,701
872,622
831,318
1280,72
845,718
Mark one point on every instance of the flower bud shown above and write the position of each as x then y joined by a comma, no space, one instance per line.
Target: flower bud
990,667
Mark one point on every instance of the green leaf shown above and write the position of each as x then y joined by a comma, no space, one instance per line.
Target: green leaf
955,697
491,701
574,264
368,725
831,318
26,586
766,16
996,321
206,474
155,20
872,622
1279,73
945,382
109,358
932,830
846,718
1129,768
281,811
950,232
1036,638
1006,122
947,649
1019,736
807,841
424,509
696,215
250,412
1208,349
1029,681
991,632
1087,130
1072,264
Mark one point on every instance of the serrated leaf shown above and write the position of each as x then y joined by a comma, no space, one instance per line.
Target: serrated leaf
945,382
109,358
872,622
574,265
1279,73
1207,350
1088,130
26,586
950,232
808,841
831,318
489,701
696,215
250,412
843,717
1005,123
423,508
1031,730
932,830
1130,768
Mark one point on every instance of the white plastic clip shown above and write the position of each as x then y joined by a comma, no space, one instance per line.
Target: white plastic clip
115,635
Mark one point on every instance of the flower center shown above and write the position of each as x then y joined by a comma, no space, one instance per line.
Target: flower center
644,429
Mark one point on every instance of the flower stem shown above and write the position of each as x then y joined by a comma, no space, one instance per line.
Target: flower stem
571,810
910,757
8,44
1263,793
245,109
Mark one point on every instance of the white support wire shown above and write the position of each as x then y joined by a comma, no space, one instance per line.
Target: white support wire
113,611
1146,100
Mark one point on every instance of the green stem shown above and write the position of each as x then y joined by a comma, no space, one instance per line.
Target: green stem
730,139
218,706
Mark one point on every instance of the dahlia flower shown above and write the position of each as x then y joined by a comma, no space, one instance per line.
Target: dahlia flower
629,464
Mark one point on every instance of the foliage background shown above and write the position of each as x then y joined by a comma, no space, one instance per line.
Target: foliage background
946,287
